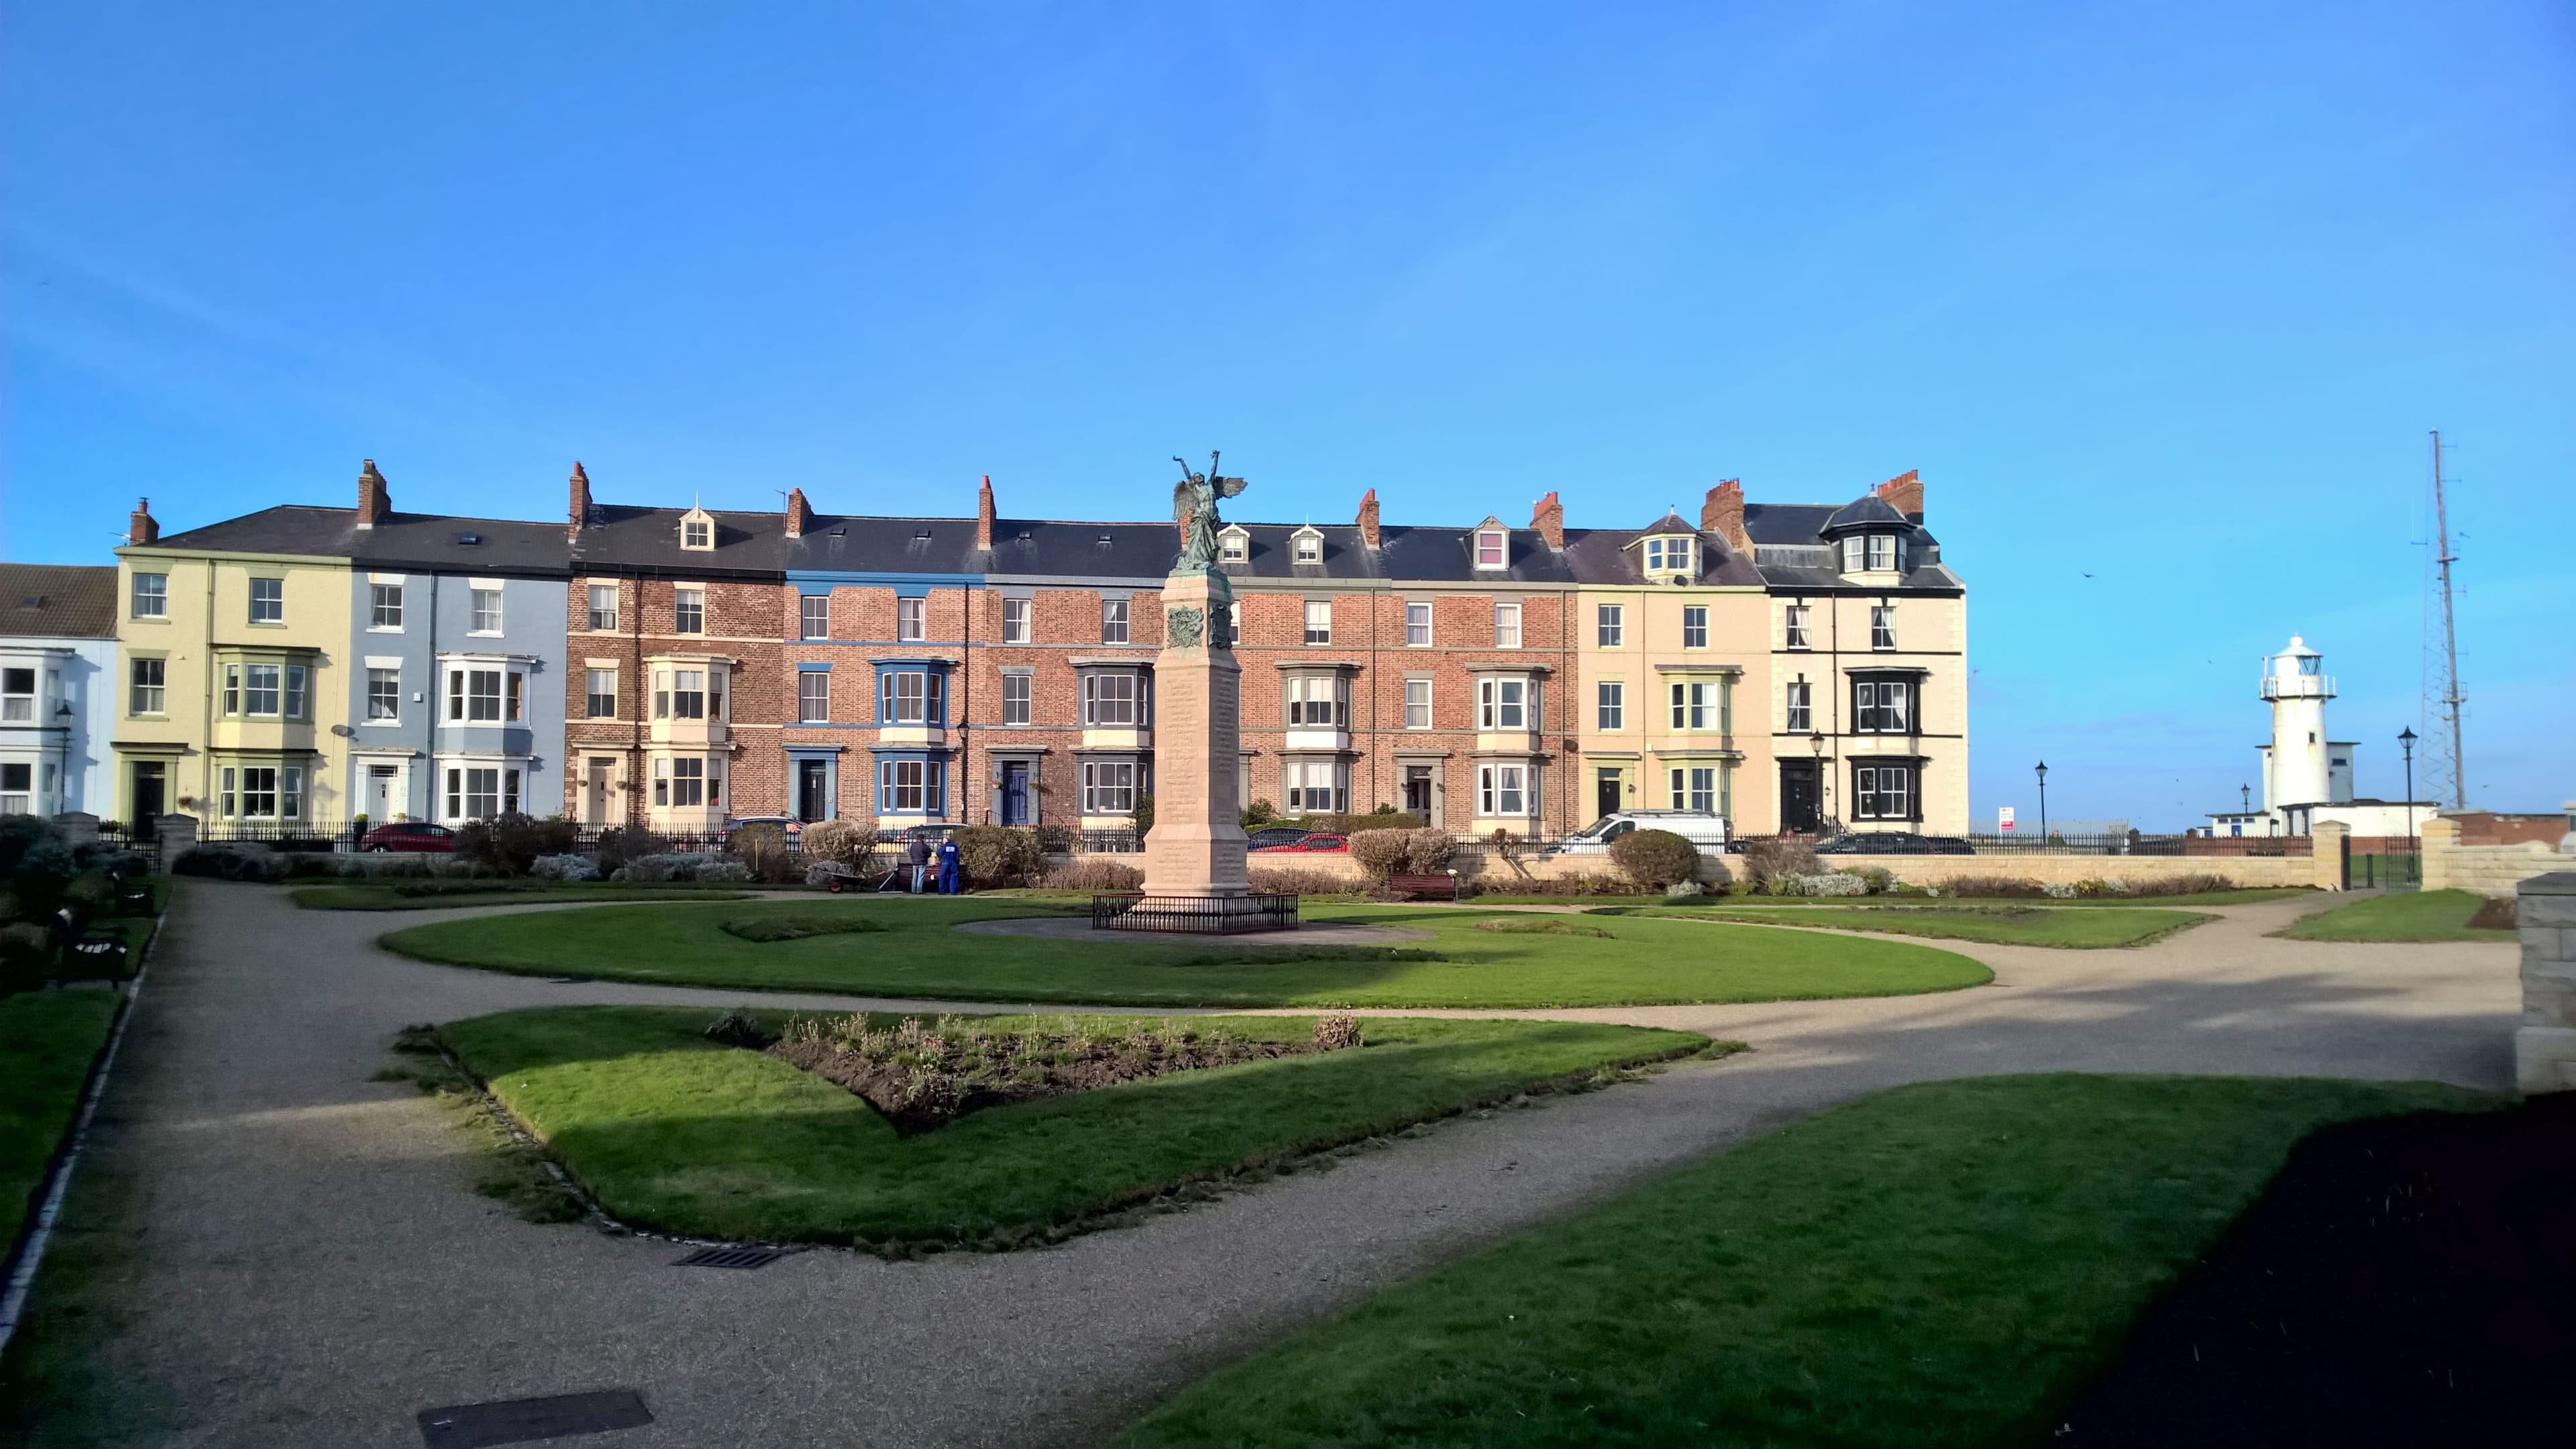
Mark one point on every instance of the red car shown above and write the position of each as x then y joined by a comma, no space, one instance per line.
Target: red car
418,837
1311,845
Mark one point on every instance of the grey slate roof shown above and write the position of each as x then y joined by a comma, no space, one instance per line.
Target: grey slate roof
1864,511
1790,548
401,540
59,601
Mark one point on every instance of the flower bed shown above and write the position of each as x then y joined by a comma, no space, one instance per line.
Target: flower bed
924,1077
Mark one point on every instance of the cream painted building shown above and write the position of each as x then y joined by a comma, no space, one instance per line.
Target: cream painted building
231,705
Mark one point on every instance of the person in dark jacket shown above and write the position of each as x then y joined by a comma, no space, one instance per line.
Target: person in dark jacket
918,852
952,873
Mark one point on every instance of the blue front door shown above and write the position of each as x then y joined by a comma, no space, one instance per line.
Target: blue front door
1015,793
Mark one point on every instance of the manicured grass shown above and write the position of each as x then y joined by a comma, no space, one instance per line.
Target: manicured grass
47,1041
390,898
1940,1264
2014,924
2411,916
674,1132
918,955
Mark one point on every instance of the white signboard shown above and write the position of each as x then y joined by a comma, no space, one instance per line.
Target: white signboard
2003,817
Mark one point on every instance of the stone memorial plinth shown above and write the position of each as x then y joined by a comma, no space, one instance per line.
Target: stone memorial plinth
1196,846
2544,1048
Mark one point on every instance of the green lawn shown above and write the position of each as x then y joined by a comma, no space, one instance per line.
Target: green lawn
392,897
1938,1265
673,1132
918,955
47,1041
2412,916
2006,924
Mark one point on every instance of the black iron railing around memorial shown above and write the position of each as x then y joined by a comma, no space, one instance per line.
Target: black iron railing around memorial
1192,915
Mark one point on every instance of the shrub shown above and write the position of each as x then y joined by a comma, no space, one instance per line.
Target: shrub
1381,853
997,855
228,863
1290,880
564,867
1577,883
1144,814
511,842
2006,886
679,866
1684,889
1765,861
1879,878
1830,883
2057,890
843,842
738,1028
761,850
2497,913
625,843
1655,858
1258,814
1335,1030
1092,873
1428,852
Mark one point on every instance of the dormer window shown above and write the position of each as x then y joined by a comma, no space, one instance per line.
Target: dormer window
1234,546
1669,556
698,530
1308,543
1875,553
1493,548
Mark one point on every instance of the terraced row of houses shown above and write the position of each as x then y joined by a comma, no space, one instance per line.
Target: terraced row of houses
673,667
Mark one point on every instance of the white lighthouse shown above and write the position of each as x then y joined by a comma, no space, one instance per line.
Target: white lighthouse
2299,765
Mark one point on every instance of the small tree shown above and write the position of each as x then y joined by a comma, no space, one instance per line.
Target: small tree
1428,852
844,842
762,849
1766,861
1655,858
1144,814
1381,852
509,843
997,855
1258,814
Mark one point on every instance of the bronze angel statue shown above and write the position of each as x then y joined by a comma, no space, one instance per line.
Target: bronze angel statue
1194,509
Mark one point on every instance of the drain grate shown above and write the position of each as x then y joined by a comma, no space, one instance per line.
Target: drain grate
731,1258
523,1421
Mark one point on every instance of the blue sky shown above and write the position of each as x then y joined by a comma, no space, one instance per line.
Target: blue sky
2167,295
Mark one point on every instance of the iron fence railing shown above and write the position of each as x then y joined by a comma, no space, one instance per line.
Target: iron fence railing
1109,842
2214,846
1192,915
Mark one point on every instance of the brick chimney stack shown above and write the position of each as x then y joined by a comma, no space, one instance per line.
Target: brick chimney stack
1549,519
1368,518
1722,513
984,515
141,526
375,501
1904,493
579,515
799,516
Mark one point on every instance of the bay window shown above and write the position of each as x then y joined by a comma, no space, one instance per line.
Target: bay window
1502,704
479,792
1109,787
1505,789
1318,701
1315,786
1883,791
1700,789
909,787
1702,704
912,697
1882,706
474,696
259,689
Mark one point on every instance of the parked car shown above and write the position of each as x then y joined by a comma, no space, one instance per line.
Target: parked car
1309,845
1706,831
789,825
415,836
1272,837
1893,842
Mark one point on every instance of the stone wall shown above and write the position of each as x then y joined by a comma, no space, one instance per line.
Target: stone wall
1490,871
2493,870
2544,1048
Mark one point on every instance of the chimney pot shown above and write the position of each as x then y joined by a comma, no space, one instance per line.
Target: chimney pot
1368,518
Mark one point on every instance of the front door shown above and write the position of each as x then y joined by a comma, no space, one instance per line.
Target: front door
810,805
1605,791
1798,796
151,785
594,791
1417,790
1015,792
382,797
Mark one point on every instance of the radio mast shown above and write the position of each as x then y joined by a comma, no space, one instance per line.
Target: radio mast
2446,757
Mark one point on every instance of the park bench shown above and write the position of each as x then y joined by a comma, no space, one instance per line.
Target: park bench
1422,887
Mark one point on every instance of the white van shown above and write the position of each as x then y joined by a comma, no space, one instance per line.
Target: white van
1708,832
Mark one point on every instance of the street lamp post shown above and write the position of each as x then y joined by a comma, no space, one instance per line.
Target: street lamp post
1816,747
2043,801
2406,741
2244,799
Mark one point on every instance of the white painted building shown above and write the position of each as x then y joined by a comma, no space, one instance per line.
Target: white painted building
57,689
2307,776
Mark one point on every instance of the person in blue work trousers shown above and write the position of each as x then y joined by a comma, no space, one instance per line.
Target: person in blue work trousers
951,874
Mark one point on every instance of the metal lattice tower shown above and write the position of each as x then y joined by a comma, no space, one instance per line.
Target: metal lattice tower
2444,761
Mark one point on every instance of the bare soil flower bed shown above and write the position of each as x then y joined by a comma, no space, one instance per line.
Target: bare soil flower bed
923,1077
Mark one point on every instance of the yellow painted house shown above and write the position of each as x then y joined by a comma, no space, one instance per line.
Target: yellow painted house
232,697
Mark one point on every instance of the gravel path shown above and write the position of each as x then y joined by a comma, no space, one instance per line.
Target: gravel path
298,1258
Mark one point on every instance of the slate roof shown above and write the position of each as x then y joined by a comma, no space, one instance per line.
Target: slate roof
400,540
1790,548
57,601
1863,512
